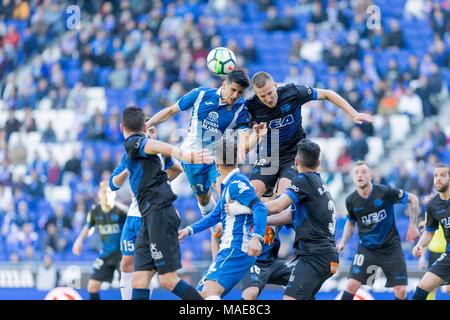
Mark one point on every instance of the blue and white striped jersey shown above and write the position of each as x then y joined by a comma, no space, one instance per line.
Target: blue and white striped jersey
211,118
237,230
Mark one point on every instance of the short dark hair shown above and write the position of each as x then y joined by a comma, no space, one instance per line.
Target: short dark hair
260,78
443,165
226,151
133,119
240,77
308,153
361,163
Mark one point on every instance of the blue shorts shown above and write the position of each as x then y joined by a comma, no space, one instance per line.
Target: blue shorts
230,267
201,176
129,235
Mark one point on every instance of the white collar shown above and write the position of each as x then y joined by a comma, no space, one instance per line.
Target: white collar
229,175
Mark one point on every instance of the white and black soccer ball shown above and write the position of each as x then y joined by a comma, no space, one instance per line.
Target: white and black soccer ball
221,61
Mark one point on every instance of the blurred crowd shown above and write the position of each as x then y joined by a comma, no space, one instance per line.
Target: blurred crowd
149,53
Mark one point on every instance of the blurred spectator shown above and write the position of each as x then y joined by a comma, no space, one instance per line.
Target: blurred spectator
293,75
47,275
49,135
29,123
249,51
88,77
11,124
415,9
388,103
439,138
119,77
410,104
311,49
358,147
395,36
424,147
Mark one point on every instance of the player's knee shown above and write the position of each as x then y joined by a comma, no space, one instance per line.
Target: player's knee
140,280
168,281
353,286
250,293
400,292
203,199
127,264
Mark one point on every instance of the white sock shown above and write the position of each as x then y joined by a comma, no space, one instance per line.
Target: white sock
208,207
125,285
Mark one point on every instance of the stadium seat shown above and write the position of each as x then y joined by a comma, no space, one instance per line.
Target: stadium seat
400,127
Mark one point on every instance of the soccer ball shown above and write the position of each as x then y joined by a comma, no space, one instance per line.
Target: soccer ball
63,293
221,61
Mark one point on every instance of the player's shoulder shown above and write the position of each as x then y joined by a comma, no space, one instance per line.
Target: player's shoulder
240,182
134,141
350,199
252,102
434,202
95,208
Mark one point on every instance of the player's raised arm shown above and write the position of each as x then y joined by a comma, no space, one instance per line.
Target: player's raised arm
357,117
184,103
163,115
155,147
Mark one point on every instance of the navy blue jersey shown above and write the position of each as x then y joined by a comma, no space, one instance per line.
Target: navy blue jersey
270,245
286,116
148,181
313,216
438,212
375,215
109,225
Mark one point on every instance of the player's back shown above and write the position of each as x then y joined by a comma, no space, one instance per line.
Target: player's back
236,229
375,215
313,215
148,181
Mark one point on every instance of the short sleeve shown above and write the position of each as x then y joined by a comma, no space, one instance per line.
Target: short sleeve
187,101
431,224
397,195
350,214
243,192
90,221
306,93
135,146
296,190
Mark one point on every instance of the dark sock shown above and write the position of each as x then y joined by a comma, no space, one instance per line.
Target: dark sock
94,296
186,292
140,294
347,295
420,294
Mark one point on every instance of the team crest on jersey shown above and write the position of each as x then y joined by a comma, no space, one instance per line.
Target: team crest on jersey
213,116
378,202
